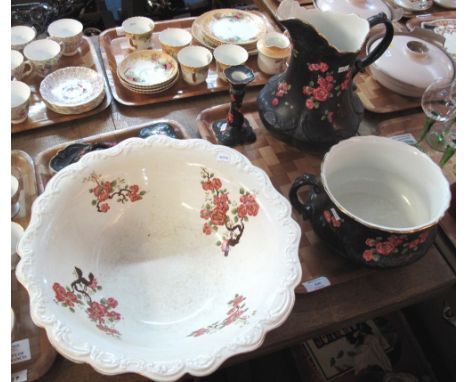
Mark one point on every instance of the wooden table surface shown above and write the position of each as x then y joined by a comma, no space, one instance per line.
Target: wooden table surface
328,309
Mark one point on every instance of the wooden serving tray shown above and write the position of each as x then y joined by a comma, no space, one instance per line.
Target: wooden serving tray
42,352
378,99
417,20
413,124
39,115
44,173
283,164
114,48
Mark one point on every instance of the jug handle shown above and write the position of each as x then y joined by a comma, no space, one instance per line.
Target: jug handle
380,18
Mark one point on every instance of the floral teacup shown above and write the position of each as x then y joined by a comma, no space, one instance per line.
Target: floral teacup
20,95
44,55
274,50
139,30
69,32
18,65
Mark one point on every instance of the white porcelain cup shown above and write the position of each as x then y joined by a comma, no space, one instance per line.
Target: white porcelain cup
19,66
139,30
194,62
228,55
22,35
20,95
44,55
274,50
17,232
174,39
69,32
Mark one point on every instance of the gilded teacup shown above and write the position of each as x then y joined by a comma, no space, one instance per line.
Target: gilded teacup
139,30
69,32
44,56
194,62
228,55
174,39
274,50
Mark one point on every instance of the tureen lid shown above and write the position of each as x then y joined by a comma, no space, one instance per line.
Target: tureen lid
362,8
414,61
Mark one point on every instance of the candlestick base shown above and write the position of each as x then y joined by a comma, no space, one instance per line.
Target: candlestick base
232,136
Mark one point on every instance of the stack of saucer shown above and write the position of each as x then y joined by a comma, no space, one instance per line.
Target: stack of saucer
72,90
229,26
148,72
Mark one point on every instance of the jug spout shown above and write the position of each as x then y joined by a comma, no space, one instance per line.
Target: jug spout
345,33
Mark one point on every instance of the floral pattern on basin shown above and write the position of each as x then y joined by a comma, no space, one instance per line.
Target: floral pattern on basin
236,314
392,245
78,295
103,191
221,213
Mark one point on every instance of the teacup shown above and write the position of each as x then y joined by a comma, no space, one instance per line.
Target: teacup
139,30
44,56
22,35
19,67
377,201
228,55
194,62
20,95
174,39
274,50
69,32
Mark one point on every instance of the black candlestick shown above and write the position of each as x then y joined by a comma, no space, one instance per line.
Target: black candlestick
235,129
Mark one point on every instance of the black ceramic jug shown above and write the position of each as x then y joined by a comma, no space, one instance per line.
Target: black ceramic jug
312,104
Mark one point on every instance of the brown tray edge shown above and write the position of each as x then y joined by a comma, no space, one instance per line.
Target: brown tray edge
73,117
46,358
42,159
112,77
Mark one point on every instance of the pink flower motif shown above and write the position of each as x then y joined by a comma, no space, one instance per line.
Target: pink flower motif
323,67
97,311
330,116
237,300
198,332
367,255
371,242
309,104
112,302
134,188
217,183
205,214
242,211
329,78
283,85
114,316
60,291
280,93
320,94
104,207
423,237
275,101
313,67
93,285
103,195
327,216
207,229
323,83
307,90
385,248
134,197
